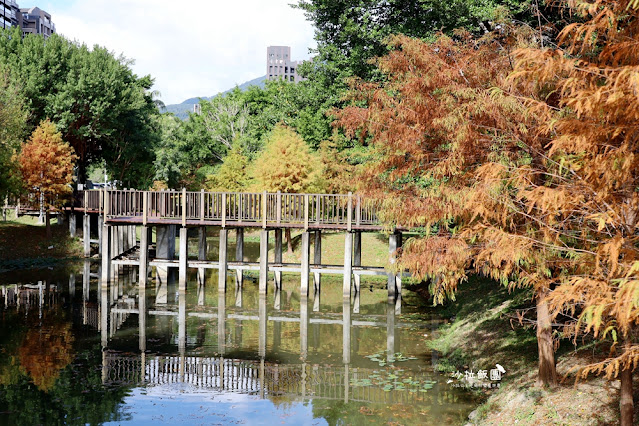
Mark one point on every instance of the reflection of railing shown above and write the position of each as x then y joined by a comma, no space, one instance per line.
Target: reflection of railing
260,208
246,376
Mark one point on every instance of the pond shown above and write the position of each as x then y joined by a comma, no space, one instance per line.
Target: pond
74,351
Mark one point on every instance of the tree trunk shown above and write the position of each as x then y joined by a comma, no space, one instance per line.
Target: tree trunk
547,375
626,404
289,242
47,221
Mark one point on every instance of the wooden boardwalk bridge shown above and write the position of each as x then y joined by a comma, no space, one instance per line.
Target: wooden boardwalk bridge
124,219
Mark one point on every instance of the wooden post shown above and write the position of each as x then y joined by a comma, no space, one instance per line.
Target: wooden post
317,259
223,263
183,208
278,208
224,210
278,257
306,269
106,204
144,257
202,199
349,214
358,211
263,260
145,207
264,204
357,258
348,264
239,256
306,212
183,258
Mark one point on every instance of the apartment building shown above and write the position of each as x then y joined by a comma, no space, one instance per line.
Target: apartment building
9,14
280,65
36,21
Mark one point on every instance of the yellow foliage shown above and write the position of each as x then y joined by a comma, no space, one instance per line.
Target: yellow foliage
287,164
232,175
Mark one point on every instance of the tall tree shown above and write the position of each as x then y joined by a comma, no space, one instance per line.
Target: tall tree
350,33
46,164
287,165
101,108
442,132
13,119
587,94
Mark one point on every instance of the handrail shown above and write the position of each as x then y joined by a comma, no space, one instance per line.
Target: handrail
261,208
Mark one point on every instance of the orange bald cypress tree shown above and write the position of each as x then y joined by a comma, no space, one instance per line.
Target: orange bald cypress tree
448,139
531,180
593,196
46,164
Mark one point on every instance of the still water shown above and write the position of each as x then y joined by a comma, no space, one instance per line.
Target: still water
74,352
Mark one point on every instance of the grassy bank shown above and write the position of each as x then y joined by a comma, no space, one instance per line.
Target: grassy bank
484,331
24,244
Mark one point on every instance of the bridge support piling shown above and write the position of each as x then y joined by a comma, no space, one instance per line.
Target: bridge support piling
357,258
86,234
239,256
346,330
394,280
183,259
133,236
348,265
221,326
202,254
100,228
202,247
262,326
72,285
106,254
223,261
317,259
304,327
144,257
263,261
278,257
165,249
72,224
306,264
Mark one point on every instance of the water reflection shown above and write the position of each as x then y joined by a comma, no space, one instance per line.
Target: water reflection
238,345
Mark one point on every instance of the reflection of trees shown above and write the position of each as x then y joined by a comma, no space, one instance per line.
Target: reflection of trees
77,396
46,350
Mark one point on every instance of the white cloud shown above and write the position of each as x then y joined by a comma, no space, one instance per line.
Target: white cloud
195,48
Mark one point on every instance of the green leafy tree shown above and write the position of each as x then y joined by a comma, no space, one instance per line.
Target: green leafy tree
12,130
99,105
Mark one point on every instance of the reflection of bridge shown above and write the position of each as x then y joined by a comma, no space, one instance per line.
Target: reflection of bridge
43,294
261,378
123,214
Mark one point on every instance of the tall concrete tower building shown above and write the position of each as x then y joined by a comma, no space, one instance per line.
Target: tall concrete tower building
280,65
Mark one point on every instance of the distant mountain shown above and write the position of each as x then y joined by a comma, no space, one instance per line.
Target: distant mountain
182,110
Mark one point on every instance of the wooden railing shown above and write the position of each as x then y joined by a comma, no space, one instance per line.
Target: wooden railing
262,208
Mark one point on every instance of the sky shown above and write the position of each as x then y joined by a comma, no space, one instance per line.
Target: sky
192,47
